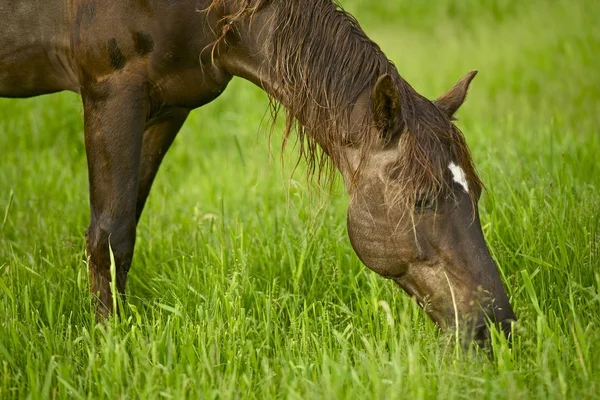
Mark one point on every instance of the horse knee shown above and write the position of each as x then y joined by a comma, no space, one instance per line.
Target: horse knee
102,239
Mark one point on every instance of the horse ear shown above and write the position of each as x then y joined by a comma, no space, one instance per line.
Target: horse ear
385,102
450,101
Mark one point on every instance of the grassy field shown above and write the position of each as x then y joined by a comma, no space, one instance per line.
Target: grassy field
244,284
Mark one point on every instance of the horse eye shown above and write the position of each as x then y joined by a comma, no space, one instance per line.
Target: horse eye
425,202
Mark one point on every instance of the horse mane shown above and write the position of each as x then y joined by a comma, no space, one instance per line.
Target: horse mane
322,61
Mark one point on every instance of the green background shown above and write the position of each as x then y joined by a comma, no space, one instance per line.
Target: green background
244,284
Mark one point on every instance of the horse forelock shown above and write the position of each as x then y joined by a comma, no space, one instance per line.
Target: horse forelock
429,143
323,61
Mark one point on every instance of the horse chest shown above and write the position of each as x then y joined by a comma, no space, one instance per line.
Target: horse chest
161,44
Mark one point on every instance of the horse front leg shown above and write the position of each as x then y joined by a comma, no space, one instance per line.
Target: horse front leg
114,115
158,137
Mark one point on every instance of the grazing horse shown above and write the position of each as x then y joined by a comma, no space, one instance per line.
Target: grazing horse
141,66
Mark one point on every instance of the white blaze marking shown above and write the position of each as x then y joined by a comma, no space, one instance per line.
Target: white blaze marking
459,176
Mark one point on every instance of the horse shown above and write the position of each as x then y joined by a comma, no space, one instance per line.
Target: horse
141,66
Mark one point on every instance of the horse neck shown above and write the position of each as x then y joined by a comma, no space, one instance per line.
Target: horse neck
326,111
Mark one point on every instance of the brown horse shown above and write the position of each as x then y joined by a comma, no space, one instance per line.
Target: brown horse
141,66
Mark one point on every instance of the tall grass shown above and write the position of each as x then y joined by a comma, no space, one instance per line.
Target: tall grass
244,284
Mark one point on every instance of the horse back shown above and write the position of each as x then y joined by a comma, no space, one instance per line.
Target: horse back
53,45
34,48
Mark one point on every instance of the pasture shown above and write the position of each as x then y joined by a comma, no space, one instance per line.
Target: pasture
244,283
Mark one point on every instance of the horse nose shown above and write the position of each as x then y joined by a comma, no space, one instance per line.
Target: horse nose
482,334
506,328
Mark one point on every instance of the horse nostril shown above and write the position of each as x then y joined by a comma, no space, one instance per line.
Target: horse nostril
481,335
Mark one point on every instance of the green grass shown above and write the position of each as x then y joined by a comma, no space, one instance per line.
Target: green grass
244,283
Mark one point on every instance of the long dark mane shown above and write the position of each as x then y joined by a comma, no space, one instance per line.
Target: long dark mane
322,61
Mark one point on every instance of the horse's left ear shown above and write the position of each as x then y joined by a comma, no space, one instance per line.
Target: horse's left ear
385,101
450,101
